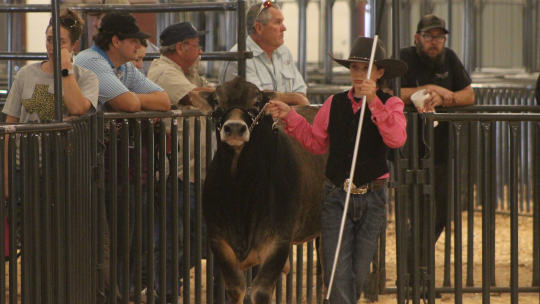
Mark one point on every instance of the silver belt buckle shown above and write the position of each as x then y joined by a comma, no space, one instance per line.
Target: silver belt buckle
354,189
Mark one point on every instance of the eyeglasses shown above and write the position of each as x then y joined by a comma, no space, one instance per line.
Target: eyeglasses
65,21
194,45
265,4
429,38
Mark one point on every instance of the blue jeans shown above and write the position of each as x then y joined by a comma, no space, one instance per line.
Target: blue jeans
365,216
180,235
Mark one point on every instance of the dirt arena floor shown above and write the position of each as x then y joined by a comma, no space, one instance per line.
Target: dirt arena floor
502,263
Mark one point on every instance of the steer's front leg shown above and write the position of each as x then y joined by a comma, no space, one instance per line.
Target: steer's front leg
270,271
232,275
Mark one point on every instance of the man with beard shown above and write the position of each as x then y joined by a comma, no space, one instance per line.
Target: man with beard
438,70
176,71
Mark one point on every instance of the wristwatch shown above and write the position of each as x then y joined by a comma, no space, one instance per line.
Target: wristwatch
66,72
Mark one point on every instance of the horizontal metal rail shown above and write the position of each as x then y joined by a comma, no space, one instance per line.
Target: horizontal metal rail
139,8
482,116
28,128
208,56
156,114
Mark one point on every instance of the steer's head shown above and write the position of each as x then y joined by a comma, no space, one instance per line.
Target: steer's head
234,106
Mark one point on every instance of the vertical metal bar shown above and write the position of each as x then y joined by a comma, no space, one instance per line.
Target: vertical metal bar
328,39
25,220
458,262
299,272
279,290
492,205
309,273
55,5
241,15
101,216
449,208
3,216
414,196
9,45
486,213
468,11
302,37
173,208
431,210
449,22
46,237
198,212
162,147
150,212
382,255
514,168
318,291
536,206
528,36
137,237
210,279
72,257
124,242
473,180
59,216
289,283
186,157
401,228
84,35
396,43
209,42
113,210
536,212
12,215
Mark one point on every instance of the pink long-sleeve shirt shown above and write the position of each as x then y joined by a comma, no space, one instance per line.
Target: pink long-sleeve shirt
388,117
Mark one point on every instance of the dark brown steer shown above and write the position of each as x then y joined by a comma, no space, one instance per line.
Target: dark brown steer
262,191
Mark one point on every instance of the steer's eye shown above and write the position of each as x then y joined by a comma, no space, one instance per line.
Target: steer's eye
256,107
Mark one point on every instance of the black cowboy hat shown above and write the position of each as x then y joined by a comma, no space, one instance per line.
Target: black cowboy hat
361,52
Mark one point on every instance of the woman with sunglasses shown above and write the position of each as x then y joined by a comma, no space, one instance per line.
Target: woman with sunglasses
31,98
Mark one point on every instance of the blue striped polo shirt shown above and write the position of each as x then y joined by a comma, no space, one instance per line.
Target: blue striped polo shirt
114,81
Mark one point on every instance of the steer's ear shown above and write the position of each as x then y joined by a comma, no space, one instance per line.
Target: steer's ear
203,100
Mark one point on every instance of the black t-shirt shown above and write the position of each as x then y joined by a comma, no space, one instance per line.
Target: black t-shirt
450,75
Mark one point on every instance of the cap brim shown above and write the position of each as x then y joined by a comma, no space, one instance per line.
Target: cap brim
392,67
199,34
432,27
138,35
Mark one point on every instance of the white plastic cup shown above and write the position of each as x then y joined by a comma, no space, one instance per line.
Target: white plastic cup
418,99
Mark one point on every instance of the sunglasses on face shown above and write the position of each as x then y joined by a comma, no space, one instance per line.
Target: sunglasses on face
65,21
265,4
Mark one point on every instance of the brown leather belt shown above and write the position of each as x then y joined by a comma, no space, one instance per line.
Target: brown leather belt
374,185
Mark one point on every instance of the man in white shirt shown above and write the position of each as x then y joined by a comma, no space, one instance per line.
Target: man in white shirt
272,67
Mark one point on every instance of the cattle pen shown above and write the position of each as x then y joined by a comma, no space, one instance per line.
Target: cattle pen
62,237
489,252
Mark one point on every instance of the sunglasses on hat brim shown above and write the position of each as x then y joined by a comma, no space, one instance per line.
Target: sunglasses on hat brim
265,4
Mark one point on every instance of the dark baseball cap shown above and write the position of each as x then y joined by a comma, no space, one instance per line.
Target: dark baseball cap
429,22
122,23
179,32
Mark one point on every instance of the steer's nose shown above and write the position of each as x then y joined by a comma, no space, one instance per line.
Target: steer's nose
235,129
